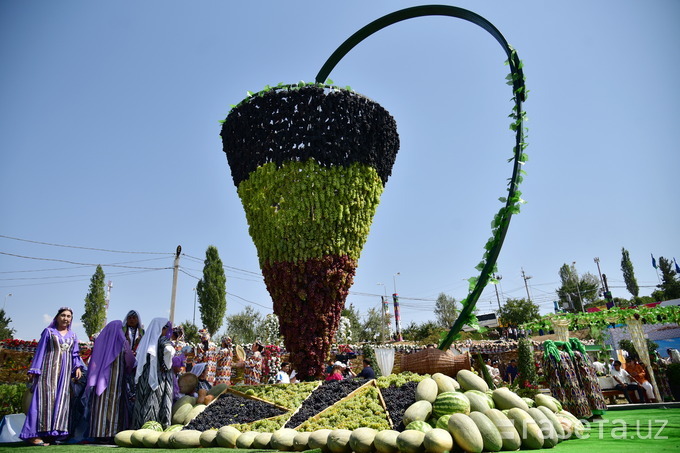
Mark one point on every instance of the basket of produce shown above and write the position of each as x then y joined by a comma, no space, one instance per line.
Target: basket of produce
432,360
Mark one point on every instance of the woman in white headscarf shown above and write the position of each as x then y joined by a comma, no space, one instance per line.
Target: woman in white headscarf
154,375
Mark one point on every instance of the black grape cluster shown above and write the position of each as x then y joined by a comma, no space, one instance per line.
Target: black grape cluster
325,395
229,409
397,400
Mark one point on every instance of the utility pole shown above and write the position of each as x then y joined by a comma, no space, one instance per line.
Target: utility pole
175,272
526,277
578,288
497,277
109,285
597,261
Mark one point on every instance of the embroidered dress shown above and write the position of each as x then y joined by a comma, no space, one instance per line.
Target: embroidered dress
55,360
253,371
565,385
208,355
589,383
223,367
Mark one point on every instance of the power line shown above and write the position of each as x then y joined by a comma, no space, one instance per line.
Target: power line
79,279
83,248
77,267
81,264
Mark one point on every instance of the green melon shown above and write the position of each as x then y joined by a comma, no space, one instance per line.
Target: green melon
245,440
550,438
186,399
419,426
187,438
507,399
361,440
218,390
164,439
470,381
226,436
282,439
490,434
465,433
451,403
550,415
181,414
420,410
319,439
154,425
208,438
263,441
150,439
546,401
479,402
506,427
438,441
137,438
411,441
386,441
338,441
445,383
122,438
528,429
193,413
443,421
427,390
531,403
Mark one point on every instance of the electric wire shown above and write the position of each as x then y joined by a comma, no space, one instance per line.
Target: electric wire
81,264
83,248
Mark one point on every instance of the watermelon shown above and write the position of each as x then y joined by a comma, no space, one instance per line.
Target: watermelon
419,426
470,381
173,428
411,441
443,422
451,403
154,425
465,433
438,441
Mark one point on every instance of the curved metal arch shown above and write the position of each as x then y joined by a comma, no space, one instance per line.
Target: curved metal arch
519,93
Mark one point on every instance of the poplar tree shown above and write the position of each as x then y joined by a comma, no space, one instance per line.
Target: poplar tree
94,316
212,291
629,274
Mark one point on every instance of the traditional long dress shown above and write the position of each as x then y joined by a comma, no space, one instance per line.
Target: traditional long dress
56,358
111,363
223,368
253,371
155,379
208,355
589,383
565,385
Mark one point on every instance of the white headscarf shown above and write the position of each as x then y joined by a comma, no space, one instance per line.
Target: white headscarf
149,345
198,369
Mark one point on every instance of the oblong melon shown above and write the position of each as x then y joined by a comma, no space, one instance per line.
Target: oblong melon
187,438
445,383
282,439
208,438
226,436
122,438
465,433
528,429
319,439
338,441
507,399
411,441
550,438
263,441
550,415
245,440
470,381
427,390
386,441
438,441
420,410
490,434
137,438
506,427
361,440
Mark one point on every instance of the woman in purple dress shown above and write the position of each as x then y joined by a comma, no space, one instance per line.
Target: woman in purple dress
56,360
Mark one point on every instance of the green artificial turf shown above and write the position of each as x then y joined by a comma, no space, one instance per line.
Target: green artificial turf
624,431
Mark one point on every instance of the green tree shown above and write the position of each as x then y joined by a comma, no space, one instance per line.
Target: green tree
190,332
425,333
628,345
94,316
372,326
670,285
6,332
212,291
518,311
576,289
446,310
243,327
354,317
629,273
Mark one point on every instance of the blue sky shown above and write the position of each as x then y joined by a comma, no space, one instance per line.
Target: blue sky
109,139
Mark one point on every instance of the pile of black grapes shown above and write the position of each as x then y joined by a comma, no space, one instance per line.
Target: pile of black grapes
327,394
229,409
397,400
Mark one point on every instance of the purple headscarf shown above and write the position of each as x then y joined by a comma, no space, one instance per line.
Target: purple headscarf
107,347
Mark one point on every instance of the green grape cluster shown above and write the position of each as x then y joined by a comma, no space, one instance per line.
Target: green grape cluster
400,379
267,425
290,396
362,410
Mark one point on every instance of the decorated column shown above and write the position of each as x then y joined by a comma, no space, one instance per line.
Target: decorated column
637,336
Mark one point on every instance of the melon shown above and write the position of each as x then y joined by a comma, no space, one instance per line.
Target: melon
479,401
181,414
427,390
545,401
226,436
490,434
263,441
386,441
338,441
245,440
208,438
506,428
300,442
531,403
550,415
445,383
187,438
528,429
578,426
138,436
122,438
470,381
194,412
164,439
465,433
172,428
451,403
438,441
549,434
567,426
218,389
319,439
420,410
411,441
419,426
361,440
186,399
282,439
507,399
154,425
150,439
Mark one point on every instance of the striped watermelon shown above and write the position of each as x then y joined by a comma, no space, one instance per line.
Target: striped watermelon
451,403
153,425
419,425
173,428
